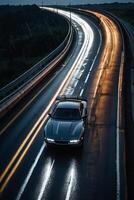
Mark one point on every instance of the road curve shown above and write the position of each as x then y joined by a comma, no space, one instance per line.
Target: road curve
28,119
29,170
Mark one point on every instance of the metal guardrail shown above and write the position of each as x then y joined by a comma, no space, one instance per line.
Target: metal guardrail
15,90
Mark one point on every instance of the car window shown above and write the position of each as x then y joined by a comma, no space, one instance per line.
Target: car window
66,114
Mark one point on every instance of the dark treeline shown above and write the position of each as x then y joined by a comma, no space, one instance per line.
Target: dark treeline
122,10
26,35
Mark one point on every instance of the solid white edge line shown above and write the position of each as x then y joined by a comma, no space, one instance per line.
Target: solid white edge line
21,191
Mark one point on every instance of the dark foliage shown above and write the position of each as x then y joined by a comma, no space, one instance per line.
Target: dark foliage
26,35
123,10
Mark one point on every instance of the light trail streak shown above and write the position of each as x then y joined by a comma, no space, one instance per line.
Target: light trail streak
84,52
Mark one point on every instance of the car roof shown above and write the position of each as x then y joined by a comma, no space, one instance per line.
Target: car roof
69,104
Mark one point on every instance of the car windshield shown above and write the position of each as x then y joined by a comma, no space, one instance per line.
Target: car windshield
66,114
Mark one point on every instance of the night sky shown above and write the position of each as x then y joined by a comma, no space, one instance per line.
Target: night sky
59,2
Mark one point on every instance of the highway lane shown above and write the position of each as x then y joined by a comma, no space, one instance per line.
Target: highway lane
21,125
106,118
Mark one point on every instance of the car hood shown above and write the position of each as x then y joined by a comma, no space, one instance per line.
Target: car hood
63,130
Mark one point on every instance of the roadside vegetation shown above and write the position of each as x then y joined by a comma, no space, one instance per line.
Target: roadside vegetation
27,34
124,11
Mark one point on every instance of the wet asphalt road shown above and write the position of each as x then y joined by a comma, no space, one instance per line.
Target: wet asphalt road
82,174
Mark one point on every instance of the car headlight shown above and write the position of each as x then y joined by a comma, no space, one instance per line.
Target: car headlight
74,141
50,140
